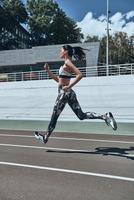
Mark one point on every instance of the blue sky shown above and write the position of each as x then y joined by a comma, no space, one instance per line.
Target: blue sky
77,9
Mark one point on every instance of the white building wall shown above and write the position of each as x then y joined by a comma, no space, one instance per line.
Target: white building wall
45,54
35,99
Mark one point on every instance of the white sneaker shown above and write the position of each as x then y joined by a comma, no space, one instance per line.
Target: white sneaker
110,121
41,137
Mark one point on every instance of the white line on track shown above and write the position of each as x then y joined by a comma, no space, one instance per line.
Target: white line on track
45,148
68,171
66,150
67,138
94,140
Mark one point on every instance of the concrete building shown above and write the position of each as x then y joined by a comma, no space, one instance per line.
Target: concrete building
33,59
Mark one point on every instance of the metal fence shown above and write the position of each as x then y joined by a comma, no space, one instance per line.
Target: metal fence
114,70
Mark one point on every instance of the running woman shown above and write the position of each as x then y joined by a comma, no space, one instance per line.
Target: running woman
67,95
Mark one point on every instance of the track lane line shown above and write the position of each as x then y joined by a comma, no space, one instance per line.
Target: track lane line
68,171
67,138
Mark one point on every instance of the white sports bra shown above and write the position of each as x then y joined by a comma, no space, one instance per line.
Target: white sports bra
64,74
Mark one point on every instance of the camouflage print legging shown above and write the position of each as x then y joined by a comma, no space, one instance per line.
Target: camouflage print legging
71,99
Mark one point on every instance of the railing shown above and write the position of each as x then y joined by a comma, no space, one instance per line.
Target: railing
114,70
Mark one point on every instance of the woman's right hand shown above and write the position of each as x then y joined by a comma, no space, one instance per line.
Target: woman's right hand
46,66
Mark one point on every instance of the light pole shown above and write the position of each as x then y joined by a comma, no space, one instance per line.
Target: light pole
107,45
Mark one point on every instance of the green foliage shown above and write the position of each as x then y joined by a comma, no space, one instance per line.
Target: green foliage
63,30
16,9
12,12
121,48
50,25
92,39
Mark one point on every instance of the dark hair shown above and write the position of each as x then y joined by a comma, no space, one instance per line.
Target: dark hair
76,52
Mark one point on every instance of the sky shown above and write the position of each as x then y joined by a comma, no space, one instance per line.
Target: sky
90,15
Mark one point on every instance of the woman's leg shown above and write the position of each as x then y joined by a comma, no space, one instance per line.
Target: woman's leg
74,104
58,108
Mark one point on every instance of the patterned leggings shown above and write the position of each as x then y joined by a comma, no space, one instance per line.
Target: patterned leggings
71,99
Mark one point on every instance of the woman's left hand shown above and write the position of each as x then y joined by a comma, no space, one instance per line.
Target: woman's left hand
66,88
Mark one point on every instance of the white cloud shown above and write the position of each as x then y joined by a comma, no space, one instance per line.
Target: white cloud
130,14
116,17
97,26
117,22
102,18
129,28
91,26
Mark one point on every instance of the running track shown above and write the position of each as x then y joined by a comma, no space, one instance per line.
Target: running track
71,166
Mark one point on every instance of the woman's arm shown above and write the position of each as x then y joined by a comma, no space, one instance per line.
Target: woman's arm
53,76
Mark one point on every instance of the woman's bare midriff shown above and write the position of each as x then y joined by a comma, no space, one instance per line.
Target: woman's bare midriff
64,81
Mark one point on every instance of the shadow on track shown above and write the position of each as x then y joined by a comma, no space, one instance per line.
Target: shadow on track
105,151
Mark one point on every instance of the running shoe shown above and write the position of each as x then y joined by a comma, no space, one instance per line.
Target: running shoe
42,138
110,121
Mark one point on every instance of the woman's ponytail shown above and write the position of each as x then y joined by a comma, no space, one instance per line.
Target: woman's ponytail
77,52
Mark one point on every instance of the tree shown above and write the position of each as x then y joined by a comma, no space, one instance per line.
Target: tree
6,27
16,9
63,30
121,48
92,39
9,23
40,16
131,48
49,24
